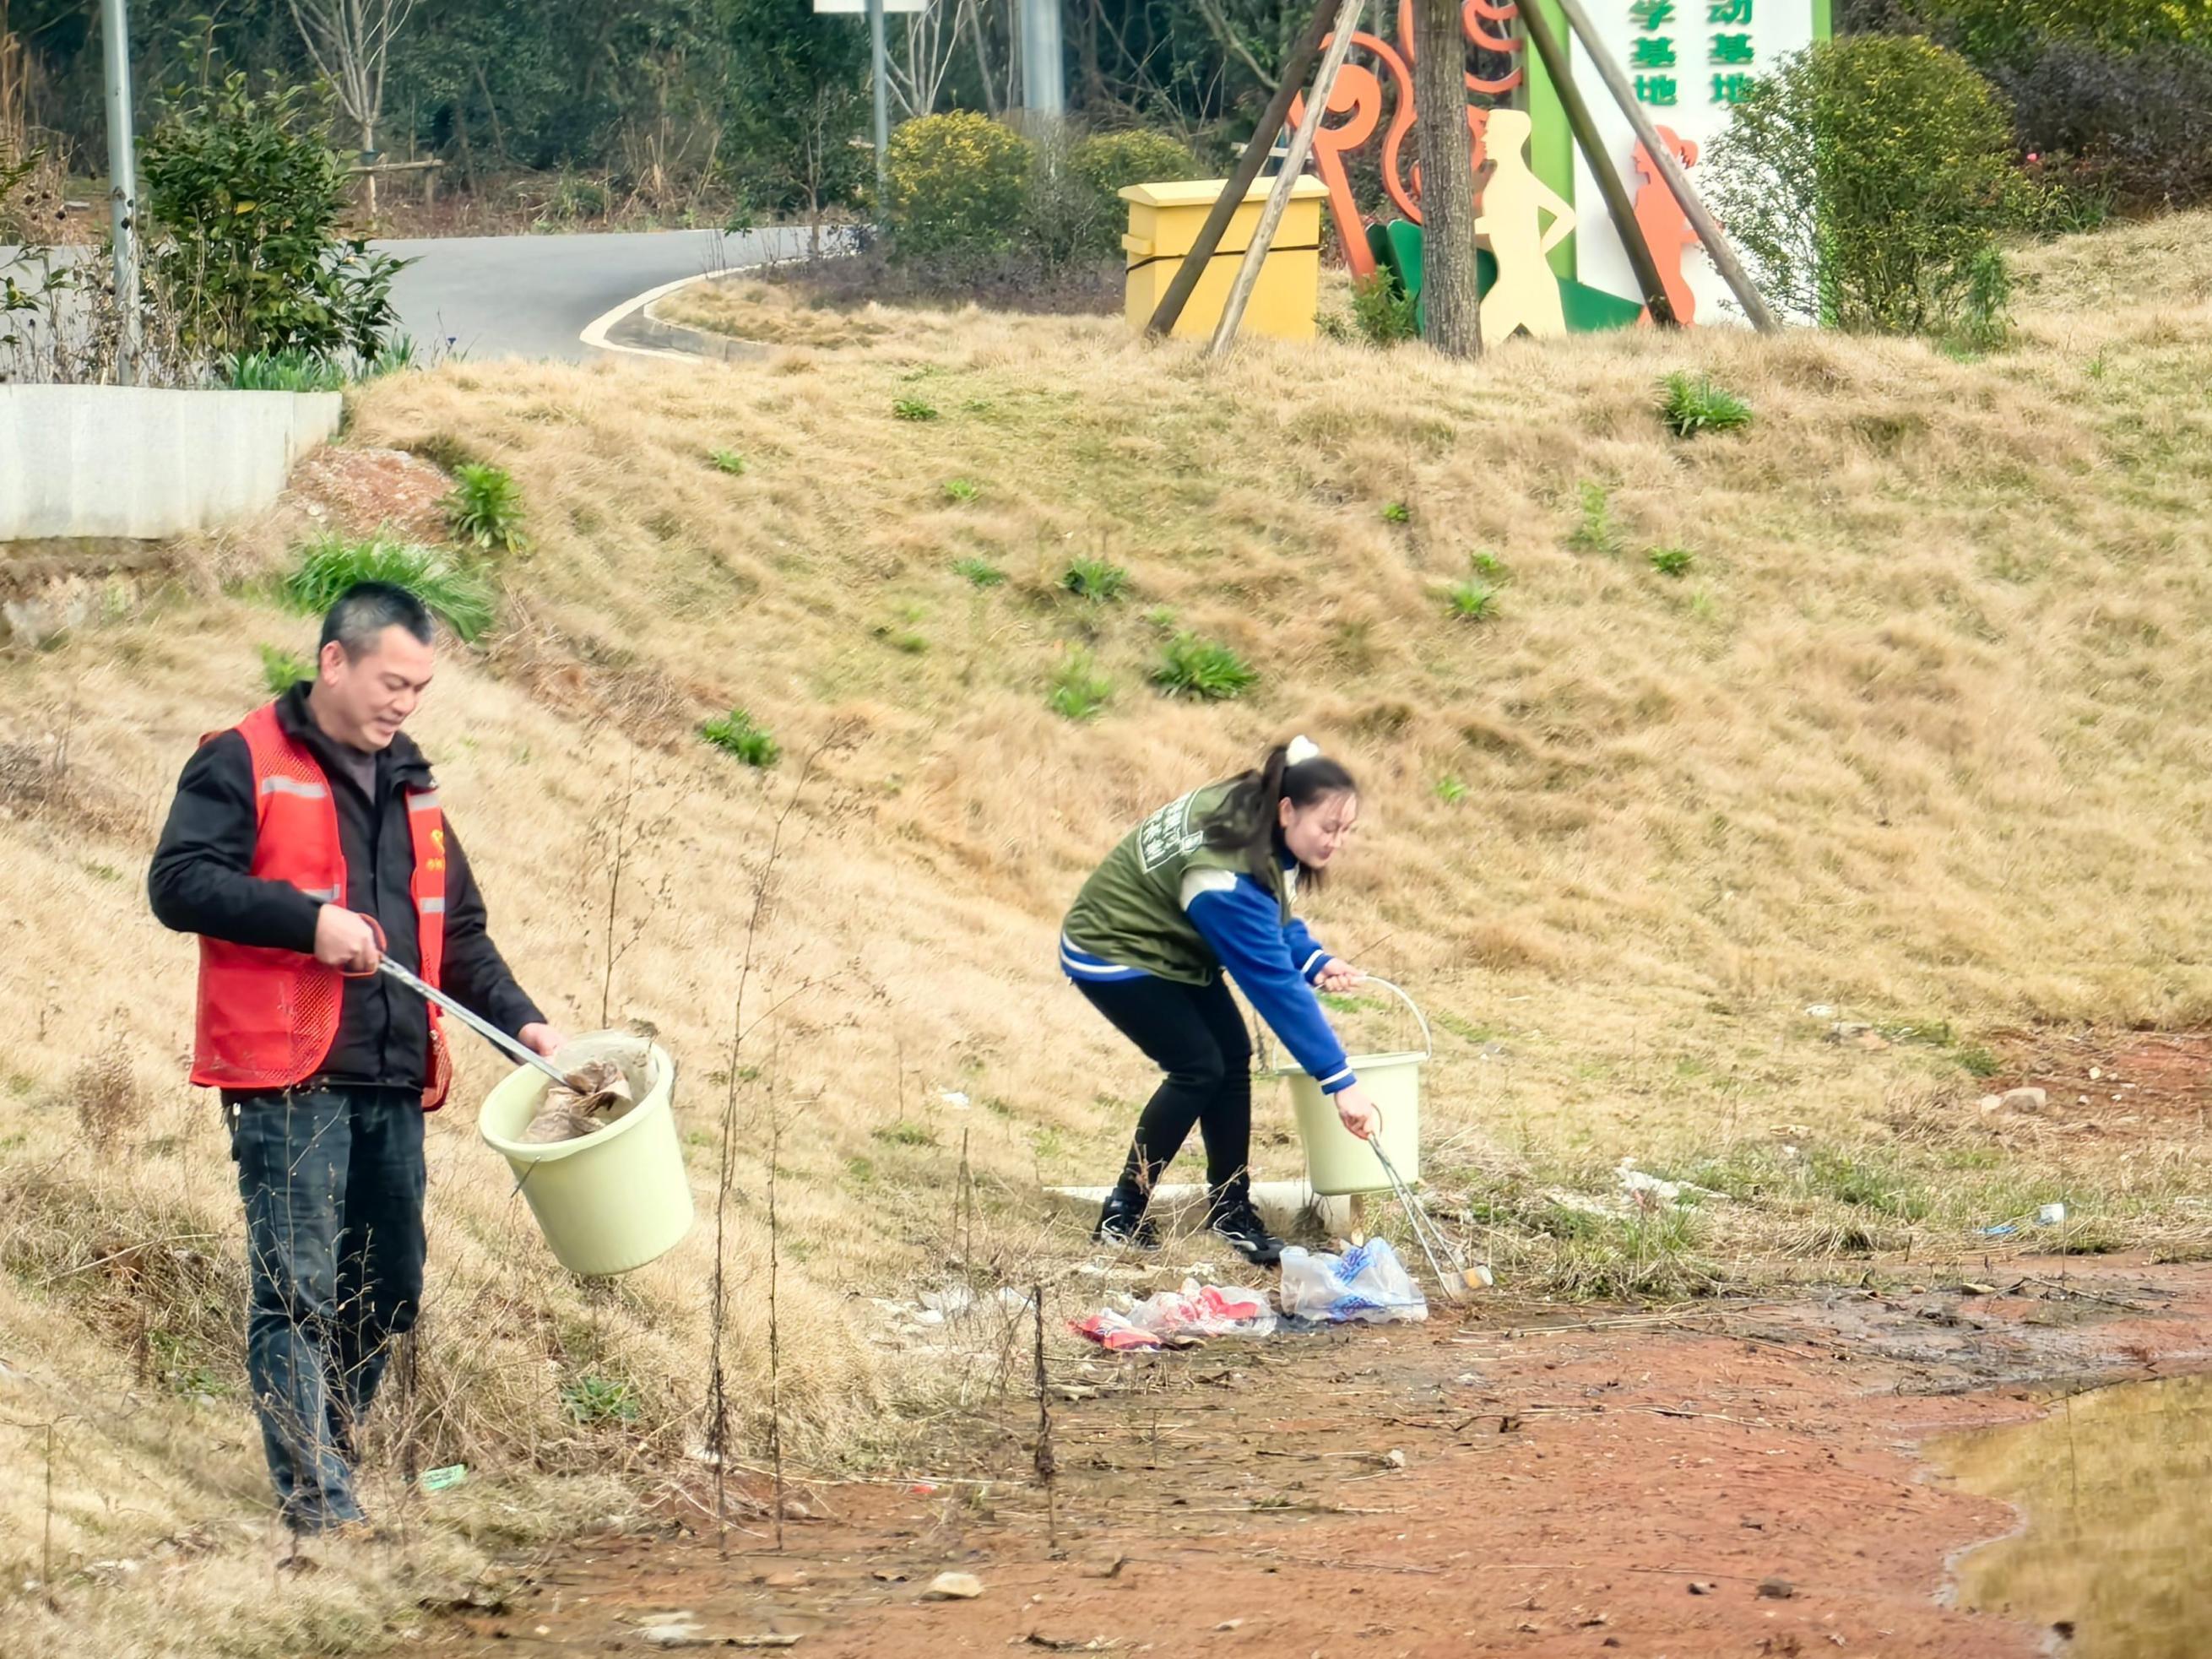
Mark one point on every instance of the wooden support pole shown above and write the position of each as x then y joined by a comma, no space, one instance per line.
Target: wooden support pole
1609,183
1294,166
1670,169
1301,59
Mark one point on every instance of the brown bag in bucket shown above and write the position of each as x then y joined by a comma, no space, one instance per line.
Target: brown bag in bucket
567,1114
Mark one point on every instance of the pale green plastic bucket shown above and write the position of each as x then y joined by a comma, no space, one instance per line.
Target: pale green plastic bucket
1339,1161
607,1202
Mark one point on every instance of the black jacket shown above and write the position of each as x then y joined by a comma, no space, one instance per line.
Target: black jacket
198,885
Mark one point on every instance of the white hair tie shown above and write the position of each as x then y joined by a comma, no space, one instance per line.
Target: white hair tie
1301,748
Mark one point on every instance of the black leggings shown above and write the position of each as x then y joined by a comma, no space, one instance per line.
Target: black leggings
1194,1034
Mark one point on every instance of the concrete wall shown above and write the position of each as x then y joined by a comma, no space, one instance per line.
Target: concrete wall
109,460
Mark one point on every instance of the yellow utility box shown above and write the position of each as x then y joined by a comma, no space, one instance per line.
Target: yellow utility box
1164,221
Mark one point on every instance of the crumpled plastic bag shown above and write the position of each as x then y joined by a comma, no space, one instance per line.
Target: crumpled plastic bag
565,1113
1367,1286
1174,1316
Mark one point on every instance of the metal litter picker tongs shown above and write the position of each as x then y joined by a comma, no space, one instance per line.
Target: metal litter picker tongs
484,1028
1434,1245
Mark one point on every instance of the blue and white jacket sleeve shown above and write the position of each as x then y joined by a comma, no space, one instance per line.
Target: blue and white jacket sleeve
1272,964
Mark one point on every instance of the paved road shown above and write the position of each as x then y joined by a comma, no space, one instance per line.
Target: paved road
532,296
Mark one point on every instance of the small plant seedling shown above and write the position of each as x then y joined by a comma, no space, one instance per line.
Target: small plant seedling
1450,790
1397,512
981,573
1672,560
486,508
963,490
1471,601
1078,690
914,409
727,460
1096,579
599,1399
1193,667
738,734
282,670
1597,532
1690,405
1487,565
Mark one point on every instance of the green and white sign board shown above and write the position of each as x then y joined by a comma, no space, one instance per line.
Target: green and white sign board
1691,62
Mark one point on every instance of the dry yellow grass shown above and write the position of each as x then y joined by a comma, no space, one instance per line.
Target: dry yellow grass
1922,735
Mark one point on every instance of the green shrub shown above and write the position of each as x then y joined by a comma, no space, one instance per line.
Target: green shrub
914,409
1450,790
1864,178
1688,407
1397,512
282,670
1595,531
1384,313
981,573
246,203
1078,690
1672,560
736,733
957,186
1074,209
486,508
961,490
1201,668
455,592
726,460
1096,579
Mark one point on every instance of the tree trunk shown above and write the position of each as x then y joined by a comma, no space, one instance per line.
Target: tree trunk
368,159
1450,300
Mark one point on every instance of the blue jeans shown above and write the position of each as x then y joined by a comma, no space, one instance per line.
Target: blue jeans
333,1181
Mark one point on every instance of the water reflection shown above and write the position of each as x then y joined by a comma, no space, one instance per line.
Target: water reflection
2118,1537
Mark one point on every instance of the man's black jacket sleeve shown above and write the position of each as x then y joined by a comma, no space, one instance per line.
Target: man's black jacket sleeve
475,975
199,883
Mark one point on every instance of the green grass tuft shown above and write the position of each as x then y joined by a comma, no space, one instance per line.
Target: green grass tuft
738,734
1192,667
1096,579
282,670
1688,407
455,591
486,508
1078,690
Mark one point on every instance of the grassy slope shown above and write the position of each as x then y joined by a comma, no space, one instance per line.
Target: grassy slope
1920,734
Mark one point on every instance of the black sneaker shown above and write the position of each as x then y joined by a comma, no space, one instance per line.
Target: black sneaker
1240,1224
1125,1228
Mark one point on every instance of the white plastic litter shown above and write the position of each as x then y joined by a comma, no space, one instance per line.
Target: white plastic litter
1367,1285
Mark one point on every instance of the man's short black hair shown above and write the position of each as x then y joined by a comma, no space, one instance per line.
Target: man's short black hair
364,611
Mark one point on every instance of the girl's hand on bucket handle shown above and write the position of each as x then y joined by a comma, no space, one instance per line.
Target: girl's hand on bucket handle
1358,1113
1338,976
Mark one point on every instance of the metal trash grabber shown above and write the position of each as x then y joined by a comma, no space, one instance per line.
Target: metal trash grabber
1431,1237
484,1028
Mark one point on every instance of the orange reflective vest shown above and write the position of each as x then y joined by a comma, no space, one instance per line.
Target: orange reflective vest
267,1016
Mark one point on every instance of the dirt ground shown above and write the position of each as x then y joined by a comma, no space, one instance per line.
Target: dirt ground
1726,1479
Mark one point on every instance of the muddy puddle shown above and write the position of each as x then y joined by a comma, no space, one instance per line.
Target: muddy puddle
2117,1532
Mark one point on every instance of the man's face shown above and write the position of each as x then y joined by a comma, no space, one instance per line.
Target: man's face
365,700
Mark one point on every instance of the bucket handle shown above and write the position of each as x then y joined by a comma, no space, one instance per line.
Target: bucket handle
1428,1039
